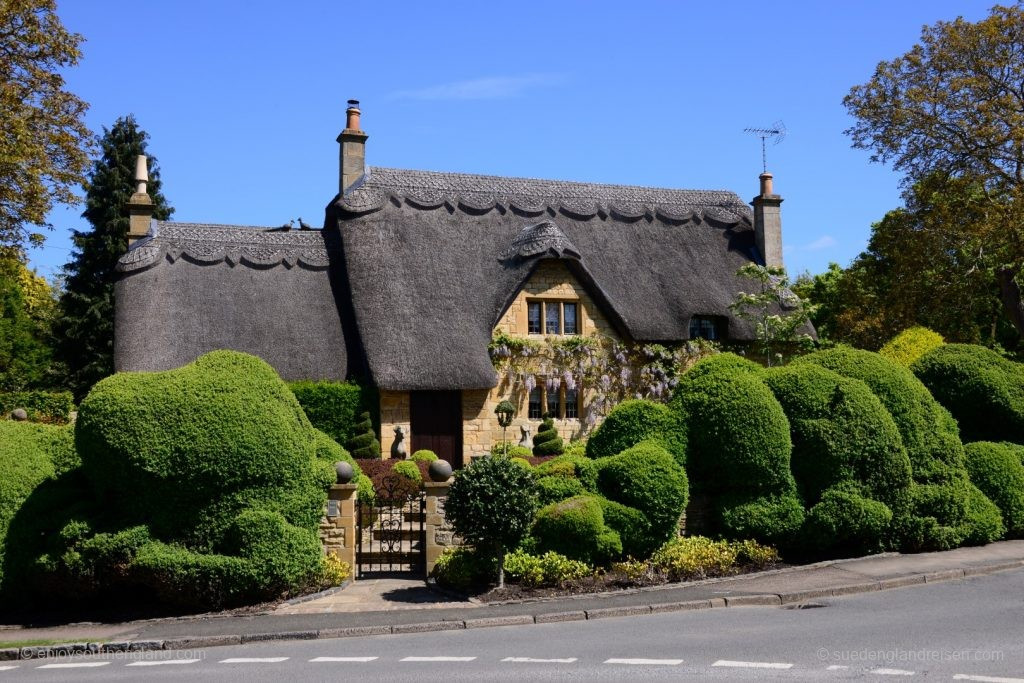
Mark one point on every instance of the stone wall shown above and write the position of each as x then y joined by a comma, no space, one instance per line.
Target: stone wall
394,412
438,530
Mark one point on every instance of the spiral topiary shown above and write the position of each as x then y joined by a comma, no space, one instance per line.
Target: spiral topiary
364,445
547,441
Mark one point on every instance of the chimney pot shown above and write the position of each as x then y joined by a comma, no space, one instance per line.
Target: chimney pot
141,174
352,118
140,206
353,149
766,184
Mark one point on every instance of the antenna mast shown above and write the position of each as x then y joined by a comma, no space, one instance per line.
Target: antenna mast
776,132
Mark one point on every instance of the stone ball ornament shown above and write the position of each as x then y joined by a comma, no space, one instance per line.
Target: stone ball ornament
344,472
440,470
19,414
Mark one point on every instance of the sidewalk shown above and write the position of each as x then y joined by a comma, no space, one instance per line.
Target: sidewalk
396,606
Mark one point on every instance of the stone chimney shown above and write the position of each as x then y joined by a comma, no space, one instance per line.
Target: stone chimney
768,222
140,206
353,149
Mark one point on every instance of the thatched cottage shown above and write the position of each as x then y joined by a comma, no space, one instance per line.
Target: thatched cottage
414,271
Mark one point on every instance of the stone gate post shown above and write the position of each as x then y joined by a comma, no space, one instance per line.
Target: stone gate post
338,528
438,532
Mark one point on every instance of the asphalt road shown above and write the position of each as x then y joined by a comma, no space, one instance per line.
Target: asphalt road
971,629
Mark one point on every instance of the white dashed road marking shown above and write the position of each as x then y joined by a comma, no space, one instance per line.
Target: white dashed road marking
531,660
645,662
753,665
836,667
73,665
343,659
7,668
437,659
892,672
253,660
160,662
987,679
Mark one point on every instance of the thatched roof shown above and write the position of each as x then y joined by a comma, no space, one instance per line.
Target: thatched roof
414,269
435,258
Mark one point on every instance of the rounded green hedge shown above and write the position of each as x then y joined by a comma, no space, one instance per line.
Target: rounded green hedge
910,344
772,519
719,363
637,420
984,520
927,430
553,488
996,469
185,451
334,407
983,390
841,433
575,466
844,522
738,438
408,469
576,528
424,455
647,478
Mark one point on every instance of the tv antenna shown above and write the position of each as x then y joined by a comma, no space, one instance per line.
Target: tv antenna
776,132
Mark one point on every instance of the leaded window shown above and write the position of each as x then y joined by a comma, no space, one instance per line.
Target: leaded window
533,316
536,404
569,318
572,404
706,327
552,318
553,410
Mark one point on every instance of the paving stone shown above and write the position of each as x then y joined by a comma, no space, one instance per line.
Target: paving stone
630,611
429,626
680,606
752,600
499,621
553,617
351,631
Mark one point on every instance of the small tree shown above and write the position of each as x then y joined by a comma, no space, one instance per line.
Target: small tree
364,445
777,313
491,504
547,441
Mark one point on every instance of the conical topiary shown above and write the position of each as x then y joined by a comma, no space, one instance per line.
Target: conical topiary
364,444
547,441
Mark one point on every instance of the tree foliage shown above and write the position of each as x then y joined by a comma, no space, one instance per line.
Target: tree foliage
26,312
85,330
44,140
776,311
951,110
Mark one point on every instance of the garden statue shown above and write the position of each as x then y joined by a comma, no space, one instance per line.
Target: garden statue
524,438
398,448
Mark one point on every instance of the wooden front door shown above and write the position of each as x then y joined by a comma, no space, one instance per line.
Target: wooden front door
436,424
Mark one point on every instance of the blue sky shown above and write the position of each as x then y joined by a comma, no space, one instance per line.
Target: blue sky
243,100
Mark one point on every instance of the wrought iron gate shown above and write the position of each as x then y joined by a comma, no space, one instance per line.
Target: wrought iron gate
392,536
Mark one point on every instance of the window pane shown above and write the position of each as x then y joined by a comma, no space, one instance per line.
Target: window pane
553,403
704,327
533,317
552,313
569,312
535,404
571,404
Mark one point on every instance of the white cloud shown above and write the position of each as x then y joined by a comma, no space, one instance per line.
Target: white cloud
490,88
823,242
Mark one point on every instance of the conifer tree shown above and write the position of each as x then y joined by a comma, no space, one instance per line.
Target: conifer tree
364,444
84,331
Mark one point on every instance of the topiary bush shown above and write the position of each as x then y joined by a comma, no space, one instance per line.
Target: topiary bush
996,469
335,407
927,430
632,525
546,441
843,522
574,466
646,477
984,520
576,528
551,489
841,433
364,445
464,568
424,455
219,466
408,469
983,390
738,438
906,347
634,421
774,519
491,504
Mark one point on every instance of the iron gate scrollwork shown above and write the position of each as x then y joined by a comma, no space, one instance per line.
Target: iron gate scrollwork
392,533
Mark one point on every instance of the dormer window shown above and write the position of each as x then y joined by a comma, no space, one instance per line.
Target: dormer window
710,327
552,317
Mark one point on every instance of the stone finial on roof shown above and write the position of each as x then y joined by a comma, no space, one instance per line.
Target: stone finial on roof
140,206
541,239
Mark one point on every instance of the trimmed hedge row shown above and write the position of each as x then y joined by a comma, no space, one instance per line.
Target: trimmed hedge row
906,347
52,407
996,469
335,407
638,420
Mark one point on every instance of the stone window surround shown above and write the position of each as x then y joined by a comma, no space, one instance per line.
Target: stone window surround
544,302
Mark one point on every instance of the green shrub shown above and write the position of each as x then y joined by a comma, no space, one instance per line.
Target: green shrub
634,421
845,522
551,489
549,569
176,575
646,477
574,466
334,571
52,407
464,568
334,407
694,557
928,431
722,363
773,519
750,553
910,344
29,455
632,526
575,528
546,441
424,455
996,469
282,556
364,445
737,435
522,462
409,470
984,521
511,450
491,504
983,390
841,433
576,448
